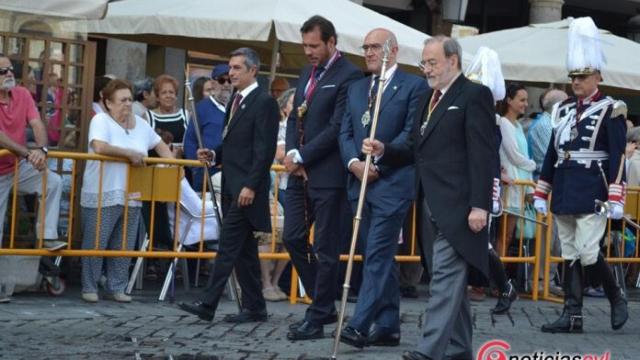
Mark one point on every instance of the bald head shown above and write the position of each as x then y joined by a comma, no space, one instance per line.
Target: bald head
373,49
551,98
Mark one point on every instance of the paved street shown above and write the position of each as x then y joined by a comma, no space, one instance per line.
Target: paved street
36,326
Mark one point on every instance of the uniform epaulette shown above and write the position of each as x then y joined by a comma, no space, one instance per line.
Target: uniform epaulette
619,108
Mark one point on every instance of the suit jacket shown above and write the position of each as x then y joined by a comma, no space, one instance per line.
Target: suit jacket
455,161
247,152
321,124
398,107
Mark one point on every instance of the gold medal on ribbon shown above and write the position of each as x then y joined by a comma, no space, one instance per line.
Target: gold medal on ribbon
366,118
302,109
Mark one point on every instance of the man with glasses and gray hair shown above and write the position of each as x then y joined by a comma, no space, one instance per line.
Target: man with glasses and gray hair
453,148
17,111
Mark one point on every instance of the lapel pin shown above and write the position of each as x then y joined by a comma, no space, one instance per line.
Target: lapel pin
395,87
242,107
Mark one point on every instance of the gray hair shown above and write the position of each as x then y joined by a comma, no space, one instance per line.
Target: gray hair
283,99
451,47
140,86
251,57
551,98
633,134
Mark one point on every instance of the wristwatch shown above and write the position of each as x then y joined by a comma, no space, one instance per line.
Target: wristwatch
45,150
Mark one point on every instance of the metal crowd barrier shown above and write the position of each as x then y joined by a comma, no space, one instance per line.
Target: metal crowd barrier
161,183
621,244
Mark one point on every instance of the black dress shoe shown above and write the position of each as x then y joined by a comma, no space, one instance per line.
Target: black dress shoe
200,309
414,355
382,337
326,321
306,331
353,337
246,316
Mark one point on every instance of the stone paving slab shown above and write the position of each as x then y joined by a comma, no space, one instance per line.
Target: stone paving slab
34,326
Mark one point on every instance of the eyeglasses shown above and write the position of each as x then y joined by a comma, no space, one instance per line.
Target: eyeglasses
223,80
372,47
5,70
423,64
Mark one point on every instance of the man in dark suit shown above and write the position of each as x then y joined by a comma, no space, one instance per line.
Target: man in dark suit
389,193
316,188
453,148
246,153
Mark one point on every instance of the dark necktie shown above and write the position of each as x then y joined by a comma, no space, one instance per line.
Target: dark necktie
313,81
235,104
434,100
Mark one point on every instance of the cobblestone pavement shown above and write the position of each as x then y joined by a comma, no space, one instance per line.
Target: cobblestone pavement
34,326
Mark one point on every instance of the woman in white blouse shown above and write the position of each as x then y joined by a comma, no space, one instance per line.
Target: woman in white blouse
115,132
514,157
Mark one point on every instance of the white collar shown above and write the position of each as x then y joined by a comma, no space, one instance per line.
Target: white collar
244,93
217,104
389,74
444,90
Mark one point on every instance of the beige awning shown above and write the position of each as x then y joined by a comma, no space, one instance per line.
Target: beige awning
218,26
73,9
537,53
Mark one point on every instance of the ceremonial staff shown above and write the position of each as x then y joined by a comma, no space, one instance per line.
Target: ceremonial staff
209,183
363,188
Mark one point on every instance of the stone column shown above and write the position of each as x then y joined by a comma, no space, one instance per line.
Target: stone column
126,59
542,11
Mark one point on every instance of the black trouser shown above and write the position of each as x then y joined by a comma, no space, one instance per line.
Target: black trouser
317,266
238,248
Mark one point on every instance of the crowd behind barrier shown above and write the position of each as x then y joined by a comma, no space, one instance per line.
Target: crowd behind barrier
160,181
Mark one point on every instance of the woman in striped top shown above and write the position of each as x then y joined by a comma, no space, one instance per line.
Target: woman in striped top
169,121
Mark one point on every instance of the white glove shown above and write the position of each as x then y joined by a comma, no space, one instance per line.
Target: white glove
540,205
495,207
616,211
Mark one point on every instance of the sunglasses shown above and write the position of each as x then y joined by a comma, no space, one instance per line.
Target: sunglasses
5,70
223,80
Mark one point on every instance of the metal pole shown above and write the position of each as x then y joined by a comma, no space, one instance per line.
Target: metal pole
363,190
196,127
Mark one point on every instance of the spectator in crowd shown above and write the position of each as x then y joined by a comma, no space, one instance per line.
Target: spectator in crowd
514,157
98,85
540,130
210,112
144,98
285,102
272,269
202,88
167,119
278,86
116,132
19,111
632,154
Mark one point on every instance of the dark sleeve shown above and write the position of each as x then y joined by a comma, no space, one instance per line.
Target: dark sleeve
291,138
480,135
348,147
327,140
265,137
418,92
190,141
550,159
617,141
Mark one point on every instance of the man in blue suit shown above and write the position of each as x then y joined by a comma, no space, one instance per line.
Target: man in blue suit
316,188
389,193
